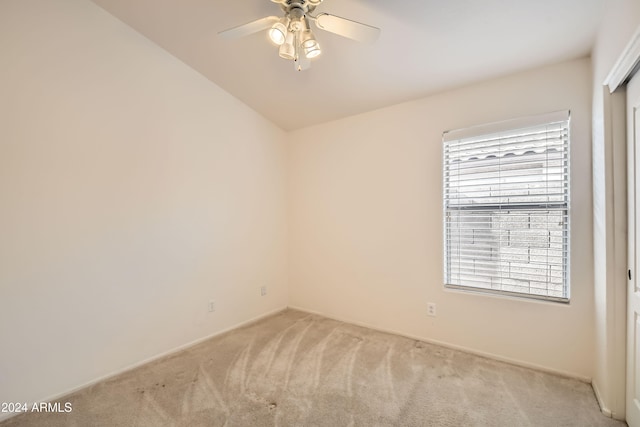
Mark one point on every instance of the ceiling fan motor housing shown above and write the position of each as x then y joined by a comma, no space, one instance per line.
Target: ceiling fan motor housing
290,6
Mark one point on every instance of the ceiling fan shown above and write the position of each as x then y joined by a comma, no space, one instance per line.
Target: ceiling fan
293,34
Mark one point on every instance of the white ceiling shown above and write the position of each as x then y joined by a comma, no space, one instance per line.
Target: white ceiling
425,46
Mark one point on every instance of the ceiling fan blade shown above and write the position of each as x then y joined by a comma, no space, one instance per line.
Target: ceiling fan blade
249,28
347,28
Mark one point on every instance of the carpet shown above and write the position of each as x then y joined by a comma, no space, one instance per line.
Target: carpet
299,369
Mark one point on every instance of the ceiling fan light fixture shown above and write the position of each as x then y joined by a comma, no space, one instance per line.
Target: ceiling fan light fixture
292,33
309,44
287,49
307,38
312,50
278,32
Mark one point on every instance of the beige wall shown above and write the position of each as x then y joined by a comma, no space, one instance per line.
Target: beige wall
132,191
365,217
622,18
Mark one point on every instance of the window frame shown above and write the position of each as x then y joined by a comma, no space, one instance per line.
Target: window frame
564,207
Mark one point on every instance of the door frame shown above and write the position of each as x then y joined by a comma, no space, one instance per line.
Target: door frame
615,134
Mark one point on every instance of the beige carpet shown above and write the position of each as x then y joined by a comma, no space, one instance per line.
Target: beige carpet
296,369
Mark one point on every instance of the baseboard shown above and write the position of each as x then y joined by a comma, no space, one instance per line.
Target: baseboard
603,408
480,353
149,360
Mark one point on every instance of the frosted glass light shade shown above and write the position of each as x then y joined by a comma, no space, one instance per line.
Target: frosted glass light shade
311,50
278,33
287,49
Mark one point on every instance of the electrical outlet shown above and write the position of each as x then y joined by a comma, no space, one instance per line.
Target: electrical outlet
212,306
263,291
431,309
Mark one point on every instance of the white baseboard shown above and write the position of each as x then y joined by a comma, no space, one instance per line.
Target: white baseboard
488,355
603,408
148,360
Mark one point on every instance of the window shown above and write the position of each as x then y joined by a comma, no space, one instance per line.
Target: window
506,208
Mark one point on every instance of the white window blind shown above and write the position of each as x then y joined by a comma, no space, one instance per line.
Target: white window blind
506,209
